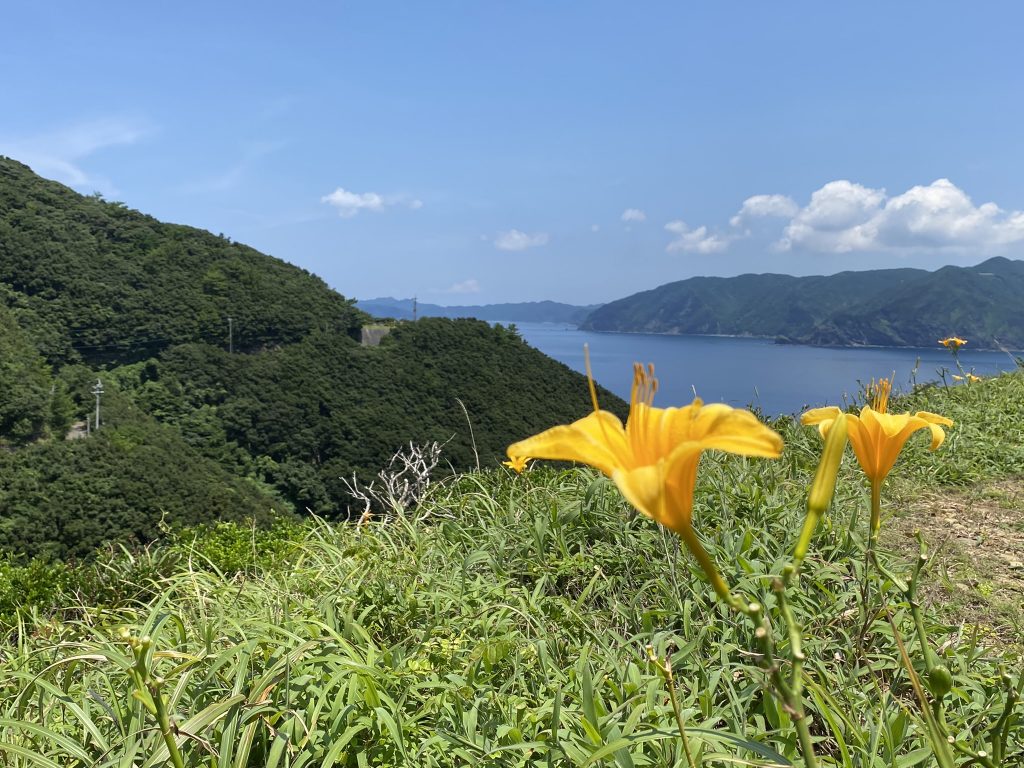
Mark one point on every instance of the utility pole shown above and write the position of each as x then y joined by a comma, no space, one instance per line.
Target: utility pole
231,337
97,390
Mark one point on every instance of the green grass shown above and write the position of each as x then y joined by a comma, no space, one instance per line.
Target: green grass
508,627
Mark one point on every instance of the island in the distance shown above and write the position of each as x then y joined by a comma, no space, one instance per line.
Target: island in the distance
883,307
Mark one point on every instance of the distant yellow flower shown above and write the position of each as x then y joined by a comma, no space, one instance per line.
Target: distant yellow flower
517,463
970,377
653,458
878,437
953,342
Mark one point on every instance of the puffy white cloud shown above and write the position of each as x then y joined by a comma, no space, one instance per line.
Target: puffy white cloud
416,204
514,240
471,285
350,203
698,240
843,216
634,214
763,206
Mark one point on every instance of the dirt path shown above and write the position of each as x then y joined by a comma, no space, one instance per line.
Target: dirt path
976,537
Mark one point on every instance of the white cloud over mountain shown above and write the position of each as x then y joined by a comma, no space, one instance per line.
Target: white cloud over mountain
514,240
843,217
349,203
763,206
472,285
60,154
698,240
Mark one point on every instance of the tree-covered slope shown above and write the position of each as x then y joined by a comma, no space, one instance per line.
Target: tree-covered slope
65,497
891,307
307,415
109,283
194,431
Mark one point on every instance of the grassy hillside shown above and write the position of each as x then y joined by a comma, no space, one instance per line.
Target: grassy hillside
506,622
891,307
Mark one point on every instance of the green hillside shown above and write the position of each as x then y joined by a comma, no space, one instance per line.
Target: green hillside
195,428
512,625
101,282
890,307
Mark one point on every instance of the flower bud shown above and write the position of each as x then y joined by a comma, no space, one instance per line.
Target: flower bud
940,681
824,484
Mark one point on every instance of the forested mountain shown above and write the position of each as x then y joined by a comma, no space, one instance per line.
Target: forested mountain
889,307
524,311
195,428
98,281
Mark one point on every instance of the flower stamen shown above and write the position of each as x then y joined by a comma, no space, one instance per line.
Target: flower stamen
880,395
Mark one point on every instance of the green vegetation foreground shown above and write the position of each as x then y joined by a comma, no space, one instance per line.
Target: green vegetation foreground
506,621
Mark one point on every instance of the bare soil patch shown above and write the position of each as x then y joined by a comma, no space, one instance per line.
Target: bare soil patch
976,539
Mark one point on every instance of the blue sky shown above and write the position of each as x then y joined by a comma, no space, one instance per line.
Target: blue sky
475,152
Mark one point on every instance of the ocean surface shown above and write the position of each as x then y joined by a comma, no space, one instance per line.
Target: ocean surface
777,378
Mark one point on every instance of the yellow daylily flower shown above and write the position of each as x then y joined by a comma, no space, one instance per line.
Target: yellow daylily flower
953,342
653,457
517,463
970,378
878,436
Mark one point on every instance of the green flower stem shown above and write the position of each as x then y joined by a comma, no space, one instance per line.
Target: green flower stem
876,513
1000,730
165,725
689,537
790,691
670,682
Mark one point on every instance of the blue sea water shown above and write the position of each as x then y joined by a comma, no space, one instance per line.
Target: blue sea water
778,378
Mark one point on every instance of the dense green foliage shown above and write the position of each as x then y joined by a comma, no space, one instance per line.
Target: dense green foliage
307,415
522,311
195,432
107,283
507,627
65,498
32,404
886,307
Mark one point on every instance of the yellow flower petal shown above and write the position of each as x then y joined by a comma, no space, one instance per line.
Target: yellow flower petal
878,437
597,440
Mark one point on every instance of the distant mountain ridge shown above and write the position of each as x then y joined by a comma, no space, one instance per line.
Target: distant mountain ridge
885,307
524,311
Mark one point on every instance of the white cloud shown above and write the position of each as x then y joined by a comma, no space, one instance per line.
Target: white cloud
466,286
595,228
350,203
514,240
762,206
634,214
843,216
698,240
59,154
